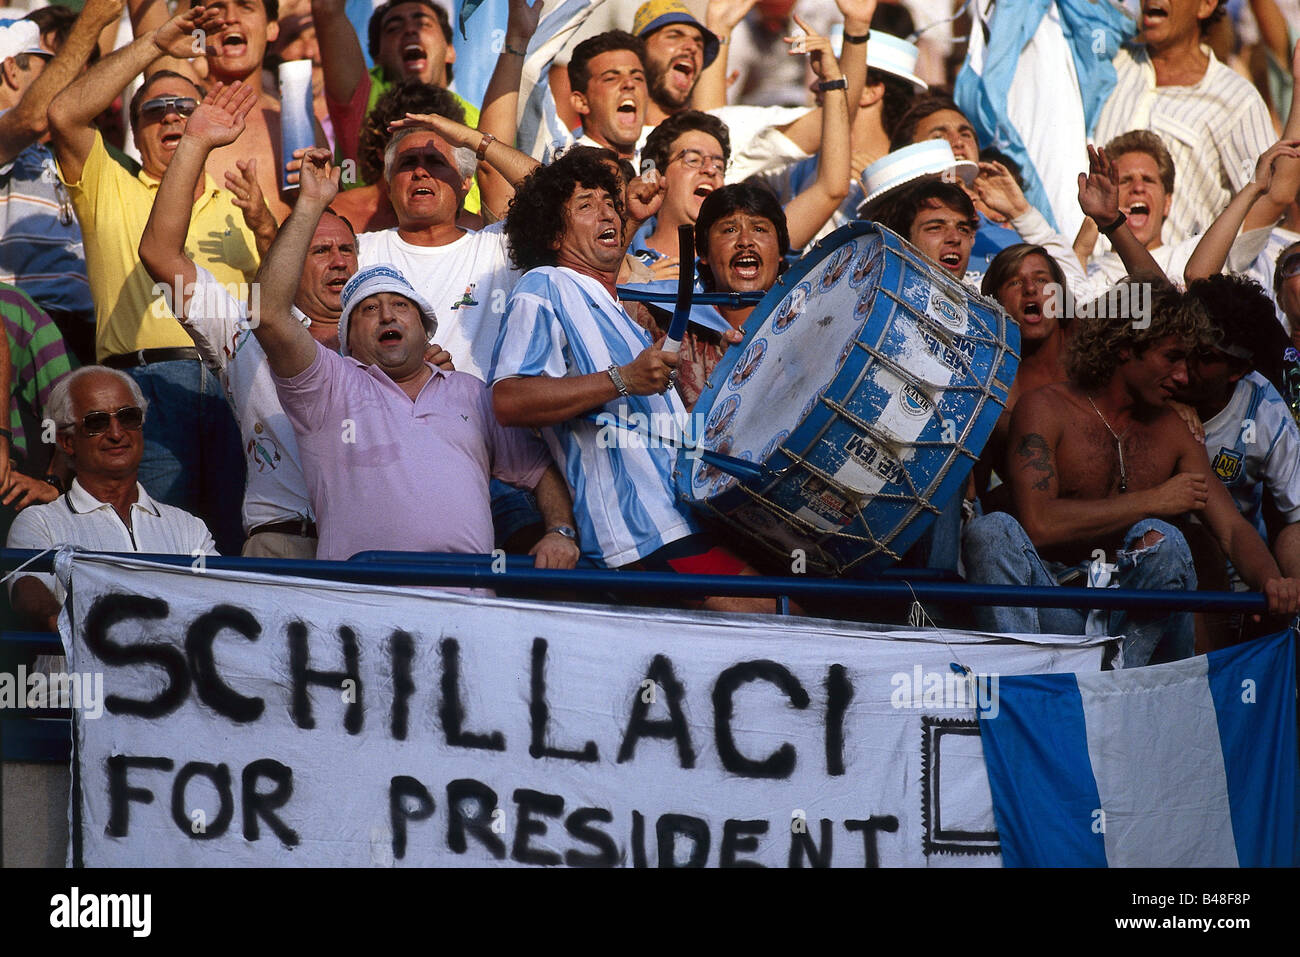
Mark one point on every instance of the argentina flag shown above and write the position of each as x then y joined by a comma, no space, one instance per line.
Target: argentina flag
1036,75
1188,764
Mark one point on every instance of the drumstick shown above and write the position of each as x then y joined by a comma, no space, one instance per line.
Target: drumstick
742,469
685,288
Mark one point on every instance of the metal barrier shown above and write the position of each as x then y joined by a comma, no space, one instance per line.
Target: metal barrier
44,735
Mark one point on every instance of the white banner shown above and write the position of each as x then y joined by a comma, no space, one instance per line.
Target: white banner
250,720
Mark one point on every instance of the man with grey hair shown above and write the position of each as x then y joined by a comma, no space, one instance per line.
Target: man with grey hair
466,275
99,413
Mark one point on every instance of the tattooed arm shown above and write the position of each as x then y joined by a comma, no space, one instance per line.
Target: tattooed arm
1038,430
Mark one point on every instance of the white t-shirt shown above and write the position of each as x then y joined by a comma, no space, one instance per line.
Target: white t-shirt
78,518
467,282
276,490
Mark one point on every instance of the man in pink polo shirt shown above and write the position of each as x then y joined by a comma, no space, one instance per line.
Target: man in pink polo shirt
396,451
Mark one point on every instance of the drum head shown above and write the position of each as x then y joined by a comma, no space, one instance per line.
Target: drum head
867,383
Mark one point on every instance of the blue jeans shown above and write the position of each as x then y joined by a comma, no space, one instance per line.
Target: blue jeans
998,552
193,454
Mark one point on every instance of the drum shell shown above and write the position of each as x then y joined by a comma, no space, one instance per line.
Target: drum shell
922,377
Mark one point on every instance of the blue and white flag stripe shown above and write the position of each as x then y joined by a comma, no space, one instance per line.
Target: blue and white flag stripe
1189,764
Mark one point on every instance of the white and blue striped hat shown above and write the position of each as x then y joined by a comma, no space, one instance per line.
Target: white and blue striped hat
366,282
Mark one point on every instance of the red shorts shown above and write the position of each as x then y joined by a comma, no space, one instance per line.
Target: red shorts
692,555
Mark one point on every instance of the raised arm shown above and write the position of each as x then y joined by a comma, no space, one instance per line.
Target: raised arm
806,132
218,121
809,210
512,165
341,59
720,17
288,345
1036,433
72,113
1212,251
500,116
27,122
1099,200
147,16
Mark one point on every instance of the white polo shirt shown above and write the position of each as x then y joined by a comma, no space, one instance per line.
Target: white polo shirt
78,518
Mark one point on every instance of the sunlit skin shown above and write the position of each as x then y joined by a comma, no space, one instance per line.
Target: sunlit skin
1025,297
412,45
744,255
331,261
236,52
613,108
157,136
1142,197
686,187
1157,375
1167,23
951,126
424,186
945,235
592,242
386,330
674,57
112,456
1288,297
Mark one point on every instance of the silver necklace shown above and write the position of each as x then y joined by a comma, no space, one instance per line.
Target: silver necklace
1119,446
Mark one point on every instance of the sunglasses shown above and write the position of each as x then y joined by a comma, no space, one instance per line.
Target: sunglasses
129,417
162,105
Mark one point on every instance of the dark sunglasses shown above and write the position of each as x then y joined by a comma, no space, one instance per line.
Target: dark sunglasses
162,105
129,417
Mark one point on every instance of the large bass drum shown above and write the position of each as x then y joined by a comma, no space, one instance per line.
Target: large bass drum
866,386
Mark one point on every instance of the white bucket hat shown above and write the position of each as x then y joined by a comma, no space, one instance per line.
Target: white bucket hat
892,54
366,282
923,161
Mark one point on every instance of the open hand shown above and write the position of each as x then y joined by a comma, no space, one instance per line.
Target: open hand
219,119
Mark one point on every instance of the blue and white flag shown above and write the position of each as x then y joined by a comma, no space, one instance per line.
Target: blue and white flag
1188,764
1036,75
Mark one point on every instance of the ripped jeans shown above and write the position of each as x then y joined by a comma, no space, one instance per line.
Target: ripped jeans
997,551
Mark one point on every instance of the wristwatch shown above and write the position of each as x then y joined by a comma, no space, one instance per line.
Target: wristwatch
838,84
568,531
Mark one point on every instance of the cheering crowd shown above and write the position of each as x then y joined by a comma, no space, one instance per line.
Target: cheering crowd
400,336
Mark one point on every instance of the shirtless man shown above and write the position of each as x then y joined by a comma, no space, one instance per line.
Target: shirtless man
1101,462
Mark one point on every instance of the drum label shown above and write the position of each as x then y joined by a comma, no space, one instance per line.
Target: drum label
914,401
951,356
874,459
946,310
825,504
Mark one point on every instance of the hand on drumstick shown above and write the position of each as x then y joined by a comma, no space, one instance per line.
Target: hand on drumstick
651,372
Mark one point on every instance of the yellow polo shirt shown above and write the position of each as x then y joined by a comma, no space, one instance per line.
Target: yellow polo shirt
113,207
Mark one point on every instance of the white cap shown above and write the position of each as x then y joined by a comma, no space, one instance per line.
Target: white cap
373,279
926,160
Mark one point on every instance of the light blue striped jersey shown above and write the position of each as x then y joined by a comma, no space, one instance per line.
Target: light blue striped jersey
559,323
1253,442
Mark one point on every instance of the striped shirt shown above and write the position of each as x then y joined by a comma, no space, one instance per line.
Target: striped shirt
1214,130
40,239
1253,443
562,324
38,360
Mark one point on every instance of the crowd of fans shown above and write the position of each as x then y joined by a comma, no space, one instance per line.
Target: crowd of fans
406,346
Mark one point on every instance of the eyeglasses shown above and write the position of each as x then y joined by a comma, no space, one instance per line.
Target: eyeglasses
162,105
1290,268
130,417
694,159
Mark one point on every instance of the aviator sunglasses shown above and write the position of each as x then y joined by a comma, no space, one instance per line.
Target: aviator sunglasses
130,417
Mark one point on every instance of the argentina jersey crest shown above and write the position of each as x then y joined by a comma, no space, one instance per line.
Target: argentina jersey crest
1227,465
